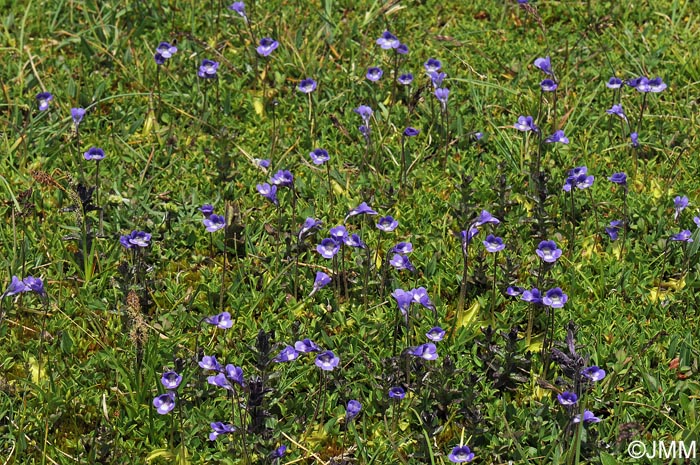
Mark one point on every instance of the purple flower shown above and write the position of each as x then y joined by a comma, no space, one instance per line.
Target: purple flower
467,237
432,65
402,49
220,380
166,50
594,373
558,136
397,392
461,454
235,374
555,298
321,281
217,426
410,132
239,7
525,123
170,380
405,79
426,351
362,209
164,403
388,41
16,287
327,361
306,346
387,224
209,362
436,334
214,222
365,112
404,299
486,218
77,115
403,248
617,110
135,238
696,220
267,46
656,85
374,74
436,78
644,84
352,410
683,236
619,178
548,85
614,83
679,204
208,68
401,262
441,94
494,244
328,248
319,156
583,181
268,191
159,59
420,296
588,417
287,354
567,398
206,209
545,64
44,98
613,229
514,291
282,178
310,225
548,251
532,296
262,163
95,153
35,285
222,320
354,240
634,138
279,452
307,85
339,234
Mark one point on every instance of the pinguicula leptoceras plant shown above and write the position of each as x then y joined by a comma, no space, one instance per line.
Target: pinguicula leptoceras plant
265,48
389,41
340,234
77,115
442,94
164,52
620,179
365,129
308,86
387,225
580,179
549,252
33,285
409,132
494,244
326,361
466,237
320,157
165,403
527,124
208,71
232,380
548,85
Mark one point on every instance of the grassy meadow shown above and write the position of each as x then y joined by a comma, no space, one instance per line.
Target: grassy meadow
349,232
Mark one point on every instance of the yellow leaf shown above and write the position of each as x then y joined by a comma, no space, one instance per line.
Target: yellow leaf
536,343
258,106
467,316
